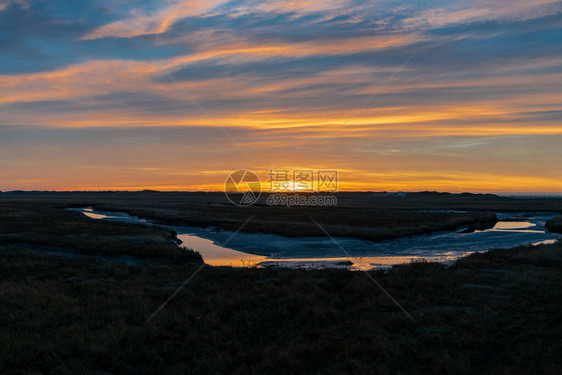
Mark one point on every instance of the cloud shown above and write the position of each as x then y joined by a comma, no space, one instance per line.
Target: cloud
156,22
467,12
121,86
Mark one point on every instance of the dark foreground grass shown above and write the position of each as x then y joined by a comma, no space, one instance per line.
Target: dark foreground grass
492,313
555,224
46,227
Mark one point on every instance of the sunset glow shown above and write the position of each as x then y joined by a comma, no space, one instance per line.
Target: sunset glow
172,95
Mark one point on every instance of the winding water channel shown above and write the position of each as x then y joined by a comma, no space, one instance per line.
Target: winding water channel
270,250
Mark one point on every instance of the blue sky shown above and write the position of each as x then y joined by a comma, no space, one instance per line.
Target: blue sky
444,95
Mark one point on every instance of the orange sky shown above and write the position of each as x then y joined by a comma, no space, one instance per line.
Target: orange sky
462,96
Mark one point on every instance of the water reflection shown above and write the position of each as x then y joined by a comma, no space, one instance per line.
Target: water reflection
519,226
268,250
214,254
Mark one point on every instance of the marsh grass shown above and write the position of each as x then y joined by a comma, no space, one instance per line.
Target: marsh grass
62,230
494,312
497,312
555,224
363,216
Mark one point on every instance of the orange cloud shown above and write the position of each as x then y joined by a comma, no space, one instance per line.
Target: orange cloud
156,23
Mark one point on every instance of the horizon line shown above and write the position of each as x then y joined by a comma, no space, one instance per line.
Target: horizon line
501,194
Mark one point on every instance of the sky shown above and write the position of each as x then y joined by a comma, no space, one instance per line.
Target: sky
172,95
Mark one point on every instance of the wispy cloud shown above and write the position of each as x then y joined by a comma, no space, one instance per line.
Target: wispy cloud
79,78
